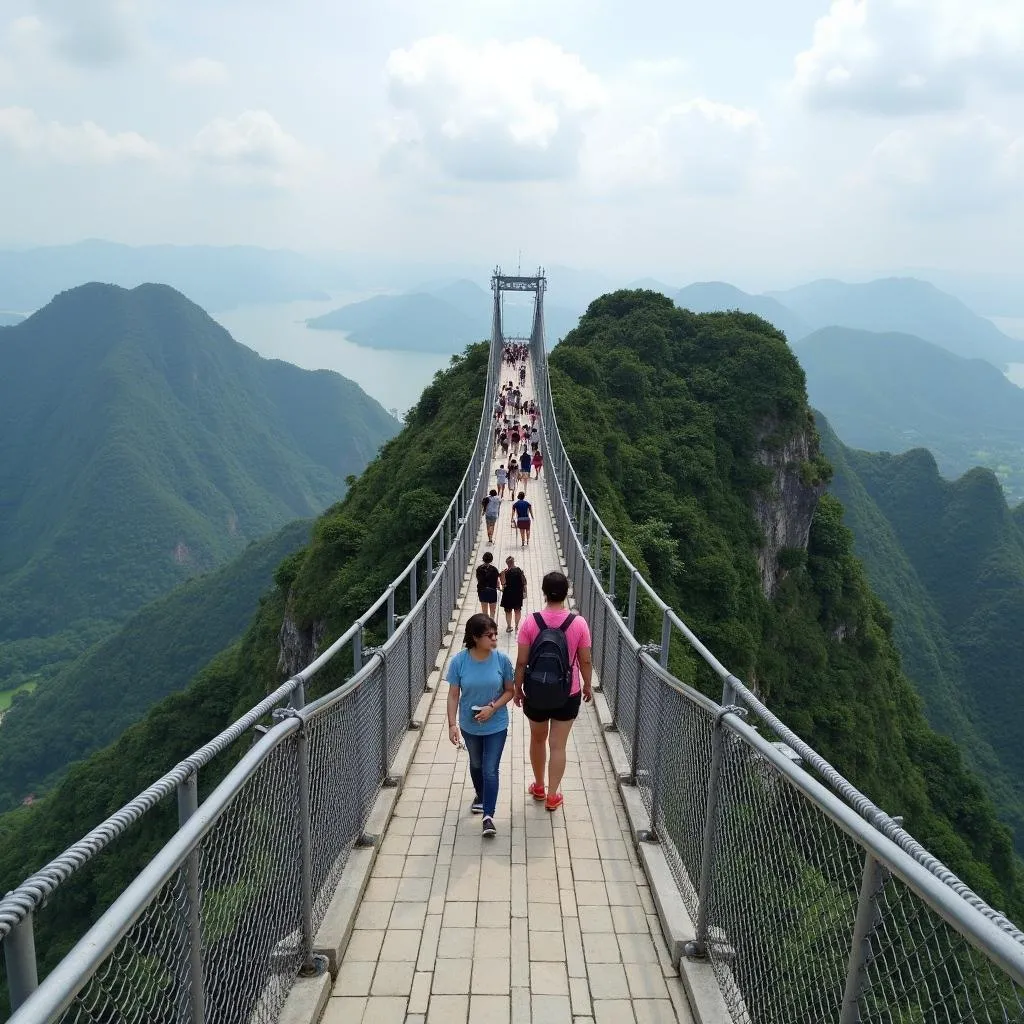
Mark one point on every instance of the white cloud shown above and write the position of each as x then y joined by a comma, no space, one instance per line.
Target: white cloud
200,71
949,168
251,149
908,56
493,111
91,32
22,131
698,146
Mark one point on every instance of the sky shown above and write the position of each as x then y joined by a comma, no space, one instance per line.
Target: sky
760,142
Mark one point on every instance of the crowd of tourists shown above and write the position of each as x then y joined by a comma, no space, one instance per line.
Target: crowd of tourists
553,668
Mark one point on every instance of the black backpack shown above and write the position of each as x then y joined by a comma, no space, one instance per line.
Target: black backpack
547,683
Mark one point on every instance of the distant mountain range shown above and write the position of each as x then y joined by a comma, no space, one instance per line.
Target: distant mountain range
893,392
903,305
140,445
438,318
10,319
948,560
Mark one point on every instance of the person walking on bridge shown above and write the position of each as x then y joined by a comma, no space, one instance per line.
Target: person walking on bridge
487,579
553,674
513,592
479,688
491,510
522,518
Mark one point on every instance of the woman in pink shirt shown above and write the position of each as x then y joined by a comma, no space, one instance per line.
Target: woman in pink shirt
549,729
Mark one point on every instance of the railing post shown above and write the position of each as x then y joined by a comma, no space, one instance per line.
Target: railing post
611,571
188,804
357,648
413,583
666,638
631,608
634,758
430,563
597,554
860,947
385,761
391,612
20,960
699,946
310,964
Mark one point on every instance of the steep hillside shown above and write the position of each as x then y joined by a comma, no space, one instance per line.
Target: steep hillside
141,445
892,392
908,306
114,684
694,435
356,548
929,651
968,553
718,297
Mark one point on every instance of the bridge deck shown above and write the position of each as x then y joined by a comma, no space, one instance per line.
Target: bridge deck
551,921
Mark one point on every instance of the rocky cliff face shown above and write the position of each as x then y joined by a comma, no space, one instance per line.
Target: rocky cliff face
785,506
298,647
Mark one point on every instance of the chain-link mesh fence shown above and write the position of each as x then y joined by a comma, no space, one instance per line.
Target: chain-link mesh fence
921,969
145,980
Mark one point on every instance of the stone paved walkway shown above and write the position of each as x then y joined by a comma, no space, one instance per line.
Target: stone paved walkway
551,922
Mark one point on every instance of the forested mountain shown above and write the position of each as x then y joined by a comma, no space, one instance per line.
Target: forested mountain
156,652
718,297
948,558
693,434
893,392
217,277
418,322
139,445
358,546
907,306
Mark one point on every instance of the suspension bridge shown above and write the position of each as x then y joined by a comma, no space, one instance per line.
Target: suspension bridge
697,870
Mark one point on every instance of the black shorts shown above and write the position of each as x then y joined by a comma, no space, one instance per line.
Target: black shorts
487,595
566,713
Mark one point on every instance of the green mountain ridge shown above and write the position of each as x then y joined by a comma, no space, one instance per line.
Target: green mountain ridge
156,652
681,426
928,650
139,445
893,392
967,550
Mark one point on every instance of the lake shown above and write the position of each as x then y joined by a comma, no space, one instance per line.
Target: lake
278,331
1014,327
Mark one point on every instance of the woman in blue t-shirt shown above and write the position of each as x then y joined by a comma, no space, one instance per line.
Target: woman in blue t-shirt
479,686
522,517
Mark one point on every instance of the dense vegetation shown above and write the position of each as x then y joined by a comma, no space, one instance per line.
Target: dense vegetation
894,392
142,445
948,559
664,413
356,548
156,652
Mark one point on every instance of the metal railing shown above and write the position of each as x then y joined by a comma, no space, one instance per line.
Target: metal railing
811,903
253,868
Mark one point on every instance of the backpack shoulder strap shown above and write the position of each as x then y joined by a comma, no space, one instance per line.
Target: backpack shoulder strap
539,619
567,622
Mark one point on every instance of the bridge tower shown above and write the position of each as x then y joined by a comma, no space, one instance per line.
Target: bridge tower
513,283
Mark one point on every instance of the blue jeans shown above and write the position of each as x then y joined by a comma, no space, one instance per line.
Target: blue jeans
484,756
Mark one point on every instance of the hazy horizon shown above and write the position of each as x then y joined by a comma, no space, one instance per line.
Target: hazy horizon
762,144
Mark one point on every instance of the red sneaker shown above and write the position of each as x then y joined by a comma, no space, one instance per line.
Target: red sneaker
537,792
554,801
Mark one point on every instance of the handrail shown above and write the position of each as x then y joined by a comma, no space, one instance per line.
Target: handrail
733,687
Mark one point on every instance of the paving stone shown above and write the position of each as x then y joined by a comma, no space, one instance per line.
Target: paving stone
451,977
491,976
401,945
364,945
613,1011
456,943
547,946
344,1010
393,979
485,1009
608,981
599,919
447,1009
354,978
549,979
654,1011
601,948
546,1009
373,914
646,981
